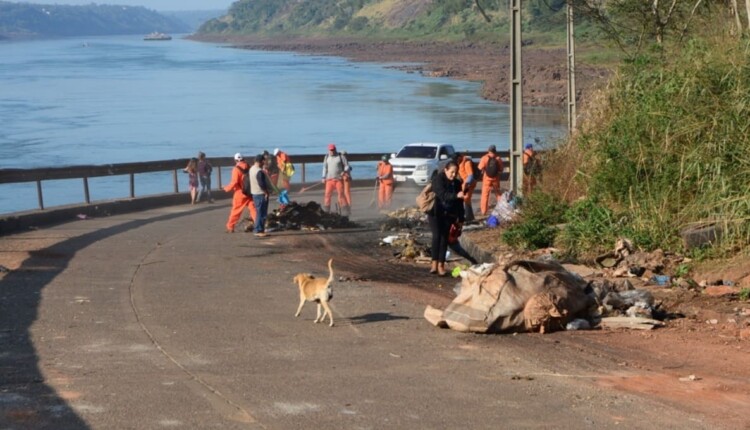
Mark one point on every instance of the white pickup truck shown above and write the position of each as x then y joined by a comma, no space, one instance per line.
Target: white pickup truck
419,162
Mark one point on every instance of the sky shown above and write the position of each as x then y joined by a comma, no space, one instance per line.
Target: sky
150,4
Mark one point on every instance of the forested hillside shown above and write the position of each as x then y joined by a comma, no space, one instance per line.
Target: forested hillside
34,20
413,18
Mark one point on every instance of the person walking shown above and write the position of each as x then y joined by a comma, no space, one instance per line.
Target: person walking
385,181
204,176
346,179
469,183
334,166
286,169
240,200
192,170
447,210
260,188
491,166
531,168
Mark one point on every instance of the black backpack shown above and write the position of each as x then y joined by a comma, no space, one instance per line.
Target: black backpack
245,181
532,166
492,169
476,172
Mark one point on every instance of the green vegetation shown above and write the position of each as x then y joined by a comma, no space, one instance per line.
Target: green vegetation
34,20
745,294
406,19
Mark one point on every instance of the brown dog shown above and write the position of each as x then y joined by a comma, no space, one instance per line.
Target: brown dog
312,289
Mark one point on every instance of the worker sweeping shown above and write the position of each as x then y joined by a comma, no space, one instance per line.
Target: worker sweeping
334,166
286,169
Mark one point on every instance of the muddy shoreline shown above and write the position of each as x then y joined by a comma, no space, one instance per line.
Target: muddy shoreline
544,70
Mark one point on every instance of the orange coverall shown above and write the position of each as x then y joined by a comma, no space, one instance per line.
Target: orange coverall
385,191
346,179
466,169
489,184
239,200
529,181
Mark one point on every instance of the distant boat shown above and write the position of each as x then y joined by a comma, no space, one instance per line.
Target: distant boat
157,36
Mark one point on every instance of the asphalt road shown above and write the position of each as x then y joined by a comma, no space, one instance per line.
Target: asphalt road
160,320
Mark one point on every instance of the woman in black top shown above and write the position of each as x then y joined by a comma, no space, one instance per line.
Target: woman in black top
448,209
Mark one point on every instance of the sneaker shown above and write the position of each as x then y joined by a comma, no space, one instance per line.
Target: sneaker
261,234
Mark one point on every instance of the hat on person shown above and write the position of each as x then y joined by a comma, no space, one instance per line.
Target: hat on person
259,158
331,147
238,157
492,148
276,151
529,146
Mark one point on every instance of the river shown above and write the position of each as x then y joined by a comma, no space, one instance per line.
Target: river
121,99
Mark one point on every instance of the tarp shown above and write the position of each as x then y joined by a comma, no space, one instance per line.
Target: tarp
525,295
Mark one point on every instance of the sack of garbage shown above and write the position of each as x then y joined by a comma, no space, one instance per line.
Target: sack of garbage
525,295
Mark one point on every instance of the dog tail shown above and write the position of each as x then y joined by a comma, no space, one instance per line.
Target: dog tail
330,269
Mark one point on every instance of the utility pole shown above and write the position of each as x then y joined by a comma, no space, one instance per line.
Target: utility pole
571,72
516,100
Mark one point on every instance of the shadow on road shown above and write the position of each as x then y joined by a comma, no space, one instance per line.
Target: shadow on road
376,317
25,400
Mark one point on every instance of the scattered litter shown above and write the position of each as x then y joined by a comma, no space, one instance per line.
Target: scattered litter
631,323
661,280
394,355
521,378
689,378
4,269
389,239
578,324
82,216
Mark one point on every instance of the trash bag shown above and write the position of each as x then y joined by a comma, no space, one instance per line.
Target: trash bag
283,197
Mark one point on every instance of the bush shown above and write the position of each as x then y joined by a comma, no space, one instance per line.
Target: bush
536,227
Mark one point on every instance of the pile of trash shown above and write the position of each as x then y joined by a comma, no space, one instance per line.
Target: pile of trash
306,216
523,296
407,246
542,296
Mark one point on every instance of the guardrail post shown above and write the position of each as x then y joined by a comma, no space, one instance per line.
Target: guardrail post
132,185
303,173
174,179
39,194
86,196
218,177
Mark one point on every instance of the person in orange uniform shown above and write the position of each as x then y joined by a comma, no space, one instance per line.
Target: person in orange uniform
385,179
346,180
282,159
491,166
529,173
239,199
466,173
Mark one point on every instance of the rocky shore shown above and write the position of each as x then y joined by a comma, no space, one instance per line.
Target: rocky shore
544,70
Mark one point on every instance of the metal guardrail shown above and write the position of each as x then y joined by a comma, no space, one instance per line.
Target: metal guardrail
84,172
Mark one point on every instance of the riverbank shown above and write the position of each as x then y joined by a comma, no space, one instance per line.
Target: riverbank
544,70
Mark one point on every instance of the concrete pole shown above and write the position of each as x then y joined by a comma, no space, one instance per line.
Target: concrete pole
516,100
571,72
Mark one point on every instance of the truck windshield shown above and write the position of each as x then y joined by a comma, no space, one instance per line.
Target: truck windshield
417,152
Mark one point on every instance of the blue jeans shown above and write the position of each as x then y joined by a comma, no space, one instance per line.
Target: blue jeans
205,187
261,206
